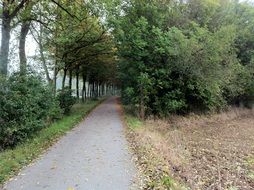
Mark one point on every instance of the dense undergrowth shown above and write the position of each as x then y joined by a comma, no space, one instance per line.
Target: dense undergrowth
13,159
28,105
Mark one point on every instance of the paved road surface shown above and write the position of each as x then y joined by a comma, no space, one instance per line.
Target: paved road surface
93,156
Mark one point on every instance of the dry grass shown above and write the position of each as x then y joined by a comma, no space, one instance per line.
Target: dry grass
205,152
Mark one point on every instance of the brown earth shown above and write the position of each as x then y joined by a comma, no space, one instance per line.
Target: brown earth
205,152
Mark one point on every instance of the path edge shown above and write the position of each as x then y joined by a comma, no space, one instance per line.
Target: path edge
54,142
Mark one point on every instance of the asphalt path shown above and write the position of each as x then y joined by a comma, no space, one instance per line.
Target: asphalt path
93,156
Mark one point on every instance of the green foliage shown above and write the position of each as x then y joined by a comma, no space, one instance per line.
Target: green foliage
179,67
66,99
26,106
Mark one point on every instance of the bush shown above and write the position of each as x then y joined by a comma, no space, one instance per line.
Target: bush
66,100
26,106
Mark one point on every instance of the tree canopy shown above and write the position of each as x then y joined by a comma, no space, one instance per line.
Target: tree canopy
165,55
184,56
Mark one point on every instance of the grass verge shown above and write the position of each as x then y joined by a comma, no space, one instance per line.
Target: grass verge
154,169
12,160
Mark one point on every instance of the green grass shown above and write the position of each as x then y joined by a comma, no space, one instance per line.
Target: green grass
133,122
12,160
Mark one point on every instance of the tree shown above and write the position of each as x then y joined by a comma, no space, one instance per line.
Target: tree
178,57
10,9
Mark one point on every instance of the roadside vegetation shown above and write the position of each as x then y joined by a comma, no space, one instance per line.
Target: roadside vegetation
14,159
154,171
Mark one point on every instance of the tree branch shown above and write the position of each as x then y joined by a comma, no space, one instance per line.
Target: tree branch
17,9
65,10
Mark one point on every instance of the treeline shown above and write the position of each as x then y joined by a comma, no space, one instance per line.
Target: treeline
70,36
72,41
180,56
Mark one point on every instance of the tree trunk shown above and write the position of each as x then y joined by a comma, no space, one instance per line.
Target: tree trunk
99,86
38,39
77,82
88,90
84,88
44,63
22,44
103,89
70,79
54,79
64,78
93,90
5,44
9,10
96,88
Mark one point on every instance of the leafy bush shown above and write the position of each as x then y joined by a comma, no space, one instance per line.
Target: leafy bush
26,106
178,68
66,99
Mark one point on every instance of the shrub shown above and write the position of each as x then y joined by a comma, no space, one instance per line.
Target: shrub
26,105
66,99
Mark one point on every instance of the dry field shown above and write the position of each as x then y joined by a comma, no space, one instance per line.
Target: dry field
212,152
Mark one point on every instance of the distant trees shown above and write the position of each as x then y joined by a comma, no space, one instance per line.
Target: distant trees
177,57
83,49
69,35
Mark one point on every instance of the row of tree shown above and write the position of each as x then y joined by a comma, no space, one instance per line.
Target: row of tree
173,56
71,39
72,42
